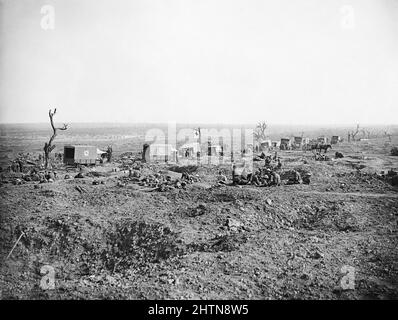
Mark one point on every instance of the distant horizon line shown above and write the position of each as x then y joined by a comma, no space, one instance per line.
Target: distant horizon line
207,124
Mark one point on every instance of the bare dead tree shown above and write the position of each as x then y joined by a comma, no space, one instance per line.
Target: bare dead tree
386,133
259,132
48,146
354,134
365,133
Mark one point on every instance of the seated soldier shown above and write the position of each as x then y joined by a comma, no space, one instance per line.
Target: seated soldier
249,178
221,178
256,180
264,181
267,162
244,177
296,178
279,163
277,179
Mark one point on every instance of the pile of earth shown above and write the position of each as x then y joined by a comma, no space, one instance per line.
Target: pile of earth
88,247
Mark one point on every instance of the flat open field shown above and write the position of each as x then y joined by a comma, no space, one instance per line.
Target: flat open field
121,240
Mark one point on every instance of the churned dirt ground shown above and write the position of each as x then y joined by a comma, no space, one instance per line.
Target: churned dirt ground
119,240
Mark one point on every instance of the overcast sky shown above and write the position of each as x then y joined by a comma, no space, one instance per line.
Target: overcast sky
232,61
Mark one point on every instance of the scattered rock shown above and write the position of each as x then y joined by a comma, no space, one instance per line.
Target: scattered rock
17,181
79,175
233,225
222,178
171,175
111,279
392,173
307,179
201,209
134,173
359,166
50,175
80,189
316,255
305,276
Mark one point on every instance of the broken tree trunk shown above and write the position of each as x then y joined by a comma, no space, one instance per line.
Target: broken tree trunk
48,146
354,134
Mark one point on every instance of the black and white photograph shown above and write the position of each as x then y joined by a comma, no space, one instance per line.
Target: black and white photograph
225,151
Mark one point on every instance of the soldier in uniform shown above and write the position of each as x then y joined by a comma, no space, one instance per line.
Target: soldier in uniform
296,178
279,163
276,179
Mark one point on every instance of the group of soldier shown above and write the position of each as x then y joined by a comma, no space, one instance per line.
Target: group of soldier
17,166
22,162
268,175
263,177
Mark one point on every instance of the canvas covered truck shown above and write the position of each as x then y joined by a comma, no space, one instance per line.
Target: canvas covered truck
285,144
264,145
297,142
300,142
335,139
323,140
80,154
275,144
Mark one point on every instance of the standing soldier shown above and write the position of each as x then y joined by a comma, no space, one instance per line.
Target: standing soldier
279,163
109,153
